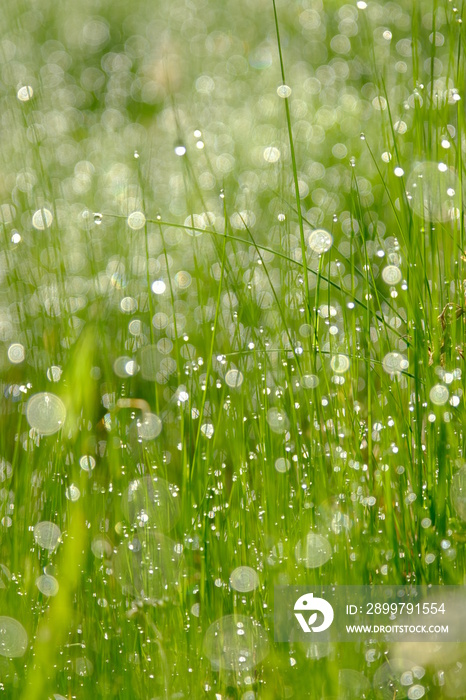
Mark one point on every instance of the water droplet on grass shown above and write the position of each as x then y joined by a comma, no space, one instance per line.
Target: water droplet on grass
47,535
234,378
72,492
87,463
150,427
25,93
46,413
13,638
391,275
340,364
439,394
16,353
54,373
282,465
241,220
207,429
47,585
158,287
320,241
119,366
42,219
244,579
283,91
271,154
394,362
136,220
309,381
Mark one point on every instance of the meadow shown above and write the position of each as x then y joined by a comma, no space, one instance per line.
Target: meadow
232,337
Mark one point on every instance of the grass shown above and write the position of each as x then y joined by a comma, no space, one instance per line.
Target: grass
298,390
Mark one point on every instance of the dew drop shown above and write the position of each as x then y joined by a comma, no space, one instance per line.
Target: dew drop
136,220
207,429
439,394
16,353
282,465
150,427
158,287
320,241
244,579
25,93
87,463
47,585
234,378
391,274
46,413
54,373
47,535
72,492
13,638
283,91
42,219
340,364
309,381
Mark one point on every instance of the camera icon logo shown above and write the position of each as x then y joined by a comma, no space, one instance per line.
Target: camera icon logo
308,604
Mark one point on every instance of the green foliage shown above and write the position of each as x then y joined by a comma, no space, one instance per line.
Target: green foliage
231,382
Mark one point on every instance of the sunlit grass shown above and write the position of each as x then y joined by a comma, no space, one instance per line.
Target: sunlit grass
239,389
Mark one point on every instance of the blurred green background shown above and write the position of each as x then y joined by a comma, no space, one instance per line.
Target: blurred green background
225,401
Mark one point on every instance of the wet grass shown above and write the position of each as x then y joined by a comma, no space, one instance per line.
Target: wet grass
232,381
